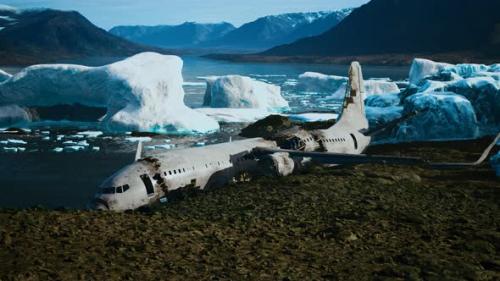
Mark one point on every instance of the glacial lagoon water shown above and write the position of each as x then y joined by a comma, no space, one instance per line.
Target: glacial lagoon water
40,176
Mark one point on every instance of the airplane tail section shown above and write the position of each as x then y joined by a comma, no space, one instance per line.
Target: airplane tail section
353,109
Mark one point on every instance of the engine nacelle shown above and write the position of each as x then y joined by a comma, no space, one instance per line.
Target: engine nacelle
277,164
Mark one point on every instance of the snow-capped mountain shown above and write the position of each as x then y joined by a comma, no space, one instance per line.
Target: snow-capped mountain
43,35
270,31
260,34
186,35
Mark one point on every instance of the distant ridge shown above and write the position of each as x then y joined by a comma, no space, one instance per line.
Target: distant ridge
186,35
261,34
35,36
466,27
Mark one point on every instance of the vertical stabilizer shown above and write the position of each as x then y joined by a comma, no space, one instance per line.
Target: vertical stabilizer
138,152
353,109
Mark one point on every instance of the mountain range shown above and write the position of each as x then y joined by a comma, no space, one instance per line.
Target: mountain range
465,27
261,34
34,36
186,35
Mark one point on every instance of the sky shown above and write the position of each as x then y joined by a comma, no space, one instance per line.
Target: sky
109,13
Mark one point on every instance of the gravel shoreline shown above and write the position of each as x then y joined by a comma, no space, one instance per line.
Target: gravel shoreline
367,222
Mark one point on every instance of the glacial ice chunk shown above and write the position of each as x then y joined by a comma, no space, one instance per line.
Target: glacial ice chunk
321,83
4,76
234,91
336,86
422,68
141,93
13,114
443,115
386,100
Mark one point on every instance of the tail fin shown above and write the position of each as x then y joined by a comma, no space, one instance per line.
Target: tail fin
138,152
353,110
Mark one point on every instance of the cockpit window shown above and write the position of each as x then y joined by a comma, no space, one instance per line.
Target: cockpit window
113,190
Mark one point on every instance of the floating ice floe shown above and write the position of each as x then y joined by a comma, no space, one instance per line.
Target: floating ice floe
58,149
10,149
235,115
70,142
96,148
138,139
46,138
234,91
74,148
83,143
141,93
15,141
160,147
313,117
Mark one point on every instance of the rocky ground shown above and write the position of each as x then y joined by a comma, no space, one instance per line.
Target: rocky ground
368,222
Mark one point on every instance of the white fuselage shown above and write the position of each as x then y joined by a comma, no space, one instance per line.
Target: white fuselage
149,179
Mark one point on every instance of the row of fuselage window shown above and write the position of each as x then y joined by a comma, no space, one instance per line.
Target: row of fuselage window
207,165
327,140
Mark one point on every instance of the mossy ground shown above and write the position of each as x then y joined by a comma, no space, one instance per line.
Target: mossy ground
368,222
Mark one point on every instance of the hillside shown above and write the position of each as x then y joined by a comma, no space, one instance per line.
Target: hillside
34,36
467,27
271,31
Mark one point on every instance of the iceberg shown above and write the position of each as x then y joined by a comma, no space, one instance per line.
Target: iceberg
444,115
235,115
234,91
380,87
484,94
386,100
13,114
321,83
4,76
141,93
422,68
335,86
378,116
